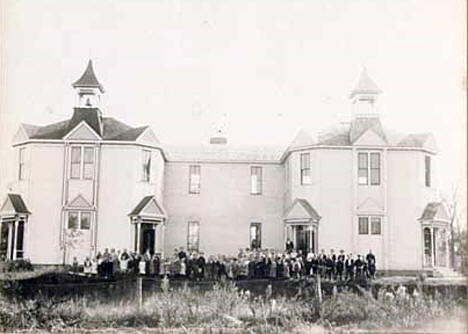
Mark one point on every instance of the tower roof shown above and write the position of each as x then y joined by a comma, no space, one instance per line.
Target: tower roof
365,85
88,79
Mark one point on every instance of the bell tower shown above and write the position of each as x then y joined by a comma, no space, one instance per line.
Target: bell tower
88,89
364,97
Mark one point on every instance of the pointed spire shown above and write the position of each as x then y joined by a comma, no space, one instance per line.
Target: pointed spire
88,79
365,85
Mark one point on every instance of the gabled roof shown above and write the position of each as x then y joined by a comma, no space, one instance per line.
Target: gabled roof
112,129
88,79
435,211
148,202
415,140
89,115
337,135
302,139
365,85
349,133
131,134
309,211
15,202
361,125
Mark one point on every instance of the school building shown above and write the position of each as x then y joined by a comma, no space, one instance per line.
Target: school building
91,182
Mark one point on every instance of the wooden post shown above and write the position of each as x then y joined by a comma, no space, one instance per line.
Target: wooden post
15,239
319,295
139,292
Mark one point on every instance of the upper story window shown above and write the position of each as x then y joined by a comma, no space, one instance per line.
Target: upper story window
369,168
79,220
22,164
194,179
256,180
146,166
305,168
193,236
427,168
82,162
375,225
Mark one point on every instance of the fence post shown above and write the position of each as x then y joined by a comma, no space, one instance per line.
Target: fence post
319,295
139,292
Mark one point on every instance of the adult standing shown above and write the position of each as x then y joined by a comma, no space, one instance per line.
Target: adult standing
371,266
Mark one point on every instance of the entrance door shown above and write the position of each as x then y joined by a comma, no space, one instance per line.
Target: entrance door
147,238
302,239
11,243
4,240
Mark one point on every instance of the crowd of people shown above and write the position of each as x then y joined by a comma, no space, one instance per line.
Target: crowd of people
248,264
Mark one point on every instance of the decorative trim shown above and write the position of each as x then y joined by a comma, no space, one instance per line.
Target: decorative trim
76,128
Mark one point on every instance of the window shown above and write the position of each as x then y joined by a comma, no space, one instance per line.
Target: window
305,168
73,220
194,179
75,171
88,163
85,221
256,180
375,225
255,235
193,236
79,220
375,168
146,166
22,164
363,225
363,173
82,162
427,167
365,168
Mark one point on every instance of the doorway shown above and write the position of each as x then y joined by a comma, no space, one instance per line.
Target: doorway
303,236
148,237
302,239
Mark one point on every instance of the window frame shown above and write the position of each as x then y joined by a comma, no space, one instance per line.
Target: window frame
258,229
81,162
371,222
22,164
375,219
194,186
304,168
79,220
88,163
146,165
191,244
258,180
369,170
363,229
427,171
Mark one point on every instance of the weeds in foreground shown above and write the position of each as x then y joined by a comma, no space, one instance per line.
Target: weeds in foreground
225,307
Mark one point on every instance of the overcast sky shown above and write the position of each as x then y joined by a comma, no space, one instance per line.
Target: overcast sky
261,70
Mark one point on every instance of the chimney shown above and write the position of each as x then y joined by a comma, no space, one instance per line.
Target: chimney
218,140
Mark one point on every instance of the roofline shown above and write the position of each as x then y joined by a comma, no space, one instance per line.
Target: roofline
146,129
226,161
69,133
350,147
280,161
101,142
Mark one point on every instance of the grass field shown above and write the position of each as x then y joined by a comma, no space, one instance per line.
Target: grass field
229,310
